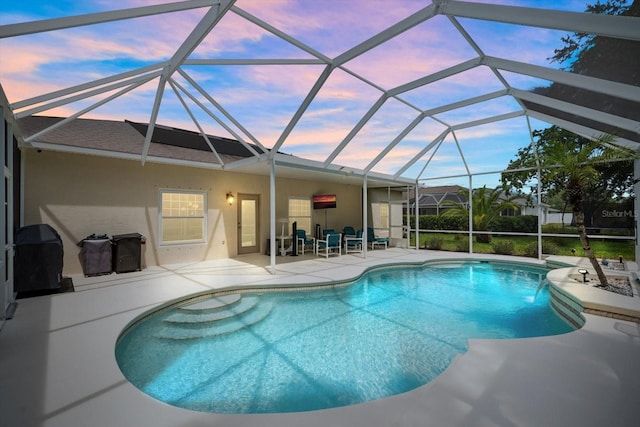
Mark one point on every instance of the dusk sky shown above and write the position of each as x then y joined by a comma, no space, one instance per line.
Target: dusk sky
263,98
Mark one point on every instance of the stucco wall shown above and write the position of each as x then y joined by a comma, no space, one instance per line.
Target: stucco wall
79,195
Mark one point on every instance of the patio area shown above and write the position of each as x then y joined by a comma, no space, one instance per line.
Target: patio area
63,371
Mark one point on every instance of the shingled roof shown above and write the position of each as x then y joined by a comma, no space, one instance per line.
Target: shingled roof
106,137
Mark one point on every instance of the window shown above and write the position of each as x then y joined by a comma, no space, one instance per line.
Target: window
380,217
182,216
300,211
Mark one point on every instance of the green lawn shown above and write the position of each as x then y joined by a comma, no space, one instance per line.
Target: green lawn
611,249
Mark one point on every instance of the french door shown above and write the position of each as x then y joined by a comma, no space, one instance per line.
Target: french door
248,223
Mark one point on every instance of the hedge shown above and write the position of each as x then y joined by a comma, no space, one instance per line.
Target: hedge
517,224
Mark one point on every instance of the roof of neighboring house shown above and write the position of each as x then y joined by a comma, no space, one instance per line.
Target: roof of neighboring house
432,197
128,138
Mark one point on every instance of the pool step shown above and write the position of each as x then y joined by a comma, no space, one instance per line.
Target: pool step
211,312
210,329
211,304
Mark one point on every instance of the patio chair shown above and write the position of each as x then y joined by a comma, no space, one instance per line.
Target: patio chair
373,240
327,231
353,244
349,231
331,245
304,241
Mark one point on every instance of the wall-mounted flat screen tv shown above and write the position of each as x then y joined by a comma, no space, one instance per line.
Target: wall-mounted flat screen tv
324,201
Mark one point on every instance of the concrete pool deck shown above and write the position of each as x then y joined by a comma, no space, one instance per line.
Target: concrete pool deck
57,363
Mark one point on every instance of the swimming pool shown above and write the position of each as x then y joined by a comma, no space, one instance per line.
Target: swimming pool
391,331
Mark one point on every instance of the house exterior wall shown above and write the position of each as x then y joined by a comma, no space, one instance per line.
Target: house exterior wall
79,195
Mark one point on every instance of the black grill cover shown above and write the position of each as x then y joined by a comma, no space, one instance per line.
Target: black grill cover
38,258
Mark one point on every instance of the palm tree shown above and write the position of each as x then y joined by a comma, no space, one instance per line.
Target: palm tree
573,167
486,204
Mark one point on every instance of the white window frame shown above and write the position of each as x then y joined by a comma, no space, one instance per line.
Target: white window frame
161,241
292,218
377,215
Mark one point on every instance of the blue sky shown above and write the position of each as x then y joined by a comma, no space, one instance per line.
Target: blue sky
264,98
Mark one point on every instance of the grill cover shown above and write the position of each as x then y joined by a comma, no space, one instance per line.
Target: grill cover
38,258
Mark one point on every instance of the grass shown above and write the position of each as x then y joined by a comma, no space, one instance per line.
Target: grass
611,249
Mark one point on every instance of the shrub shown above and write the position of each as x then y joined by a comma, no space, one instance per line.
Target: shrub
452,222
503,247
429,222
434,242
555,228
520,223
548,248
462,245
483,238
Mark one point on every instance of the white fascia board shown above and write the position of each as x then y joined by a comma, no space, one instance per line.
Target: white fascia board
248,161
622,27
45,146
21,29
313,165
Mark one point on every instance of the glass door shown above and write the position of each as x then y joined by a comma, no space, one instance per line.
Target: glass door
248,223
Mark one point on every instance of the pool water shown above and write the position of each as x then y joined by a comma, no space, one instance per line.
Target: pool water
393,330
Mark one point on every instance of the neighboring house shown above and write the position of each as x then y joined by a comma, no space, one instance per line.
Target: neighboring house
436,200
86,177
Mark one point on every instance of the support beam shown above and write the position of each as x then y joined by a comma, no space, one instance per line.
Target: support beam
272,215
391,32
422,152
303,107
587,132
636,202
593,84
13,30
153,71
587,113
225,113
395,142
363,121
623,27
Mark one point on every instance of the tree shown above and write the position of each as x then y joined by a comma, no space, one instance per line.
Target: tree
608,58
615,178
486,204
573,168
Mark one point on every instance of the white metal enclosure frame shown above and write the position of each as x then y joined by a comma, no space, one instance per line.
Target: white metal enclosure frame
180,75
